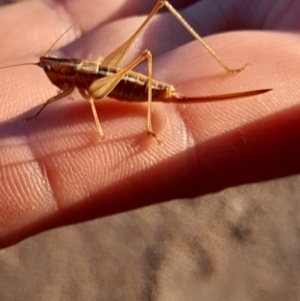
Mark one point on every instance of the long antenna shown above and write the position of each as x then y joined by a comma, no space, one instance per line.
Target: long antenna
17,65
47,52
45,55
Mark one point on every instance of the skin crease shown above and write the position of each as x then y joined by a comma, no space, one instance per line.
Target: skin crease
55,170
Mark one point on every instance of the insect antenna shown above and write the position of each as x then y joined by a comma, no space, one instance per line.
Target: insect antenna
45,55
47,52
17,65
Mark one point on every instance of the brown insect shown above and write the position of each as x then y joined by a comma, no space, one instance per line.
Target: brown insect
97,79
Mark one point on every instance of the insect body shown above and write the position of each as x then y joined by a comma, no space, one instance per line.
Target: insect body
98,79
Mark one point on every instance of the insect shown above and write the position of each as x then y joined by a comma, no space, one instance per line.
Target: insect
97,79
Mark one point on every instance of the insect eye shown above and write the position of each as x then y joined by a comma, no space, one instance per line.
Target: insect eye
47,67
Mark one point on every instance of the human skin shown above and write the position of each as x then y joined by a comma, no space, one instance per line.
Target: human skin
55,170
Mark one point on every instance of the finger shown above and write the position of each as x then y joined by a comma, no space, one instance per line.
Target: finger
32,36
219,16
29,33
207,17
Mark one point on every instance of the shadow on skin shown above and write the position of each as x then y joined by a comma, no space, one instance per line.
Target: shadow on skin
268,148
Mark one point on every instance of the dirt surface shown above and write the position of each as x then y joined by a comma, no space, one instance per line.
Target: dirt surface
239,244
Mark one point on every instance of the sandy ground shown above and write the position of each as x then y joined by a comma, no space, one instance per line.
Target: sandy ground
240,244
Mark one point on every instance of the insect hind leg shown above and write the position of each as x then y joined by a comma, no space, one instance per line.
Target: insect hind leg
116,56
197,37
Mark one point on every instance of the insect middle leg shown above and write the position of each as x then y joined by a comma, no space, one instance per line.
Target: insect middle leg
94,111
103,86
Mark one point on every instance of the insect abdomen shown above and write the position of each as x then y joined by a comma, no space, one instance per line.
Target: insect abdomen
134,86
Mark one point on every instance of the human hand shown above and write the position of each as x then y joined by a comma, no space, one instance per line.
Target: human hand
55,170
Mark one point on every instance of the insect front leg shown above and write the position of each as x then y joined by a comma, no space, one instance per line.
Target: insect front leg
52,99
